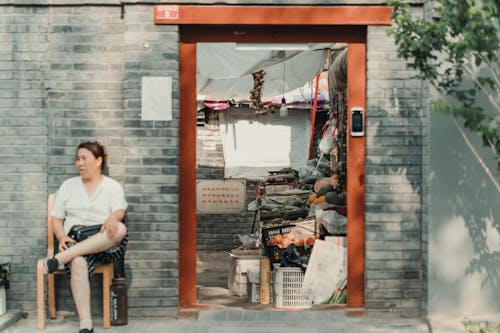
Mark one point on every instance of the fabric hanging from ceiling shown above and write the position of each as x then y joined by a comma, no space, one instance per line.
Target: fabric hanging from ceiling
225,73
338,71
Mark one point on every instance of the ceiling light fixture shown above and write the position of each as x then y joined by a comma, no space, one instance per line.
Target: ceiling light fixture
271,46
283,108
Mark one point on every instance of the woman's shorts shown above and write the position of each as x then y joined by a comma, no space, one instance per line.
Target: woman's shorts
114,254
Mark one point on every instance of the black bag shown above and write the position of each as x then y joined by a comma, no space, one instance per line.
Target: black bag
292,257
80,232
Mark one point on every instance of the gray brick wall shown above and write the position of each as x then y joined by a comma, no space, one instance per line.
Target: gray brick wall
23,146
69,73
85,97
84,84
151,167
396,211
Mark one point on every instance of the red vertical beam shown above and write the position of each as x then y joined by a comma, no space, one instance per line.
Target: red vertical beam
187,174
356,79
313,118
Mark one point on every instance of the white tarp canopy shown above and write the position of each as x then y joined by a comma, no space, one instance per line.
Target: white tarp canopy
224,71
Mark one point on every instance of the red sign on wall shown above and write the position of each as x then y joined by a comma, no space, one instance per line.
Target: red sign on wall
167,12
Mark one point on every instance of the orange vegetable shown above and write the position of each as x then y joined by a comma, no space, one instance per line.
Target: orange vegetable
320,200
278,239
298,242
311,199
272,241
310,240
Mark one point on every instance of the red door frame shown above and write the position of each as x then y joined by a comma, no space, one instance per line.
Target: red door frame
273,24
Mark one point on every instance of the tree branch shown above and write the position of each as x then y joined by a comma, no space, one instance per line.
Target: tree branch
486,92
492,69
476,155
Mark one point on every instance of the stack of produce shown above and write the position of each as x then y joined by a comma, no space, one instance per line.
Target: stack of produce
327,194
291,207
283,241
278,238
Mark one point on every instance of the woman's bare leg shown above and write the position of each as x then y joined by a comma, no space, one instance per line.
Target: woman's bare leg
97,243
80,287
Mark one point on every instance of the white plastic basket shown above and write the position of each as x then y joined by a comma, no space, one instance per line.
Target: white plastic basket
287,286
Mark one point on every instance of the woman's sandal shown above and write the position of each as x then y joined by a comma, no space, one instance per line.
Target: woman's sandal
52,264
86,330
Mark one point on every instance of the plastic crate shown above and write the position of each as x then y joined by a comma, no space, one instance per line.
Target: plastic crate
253,285
253,292
237,278
287,286
268,233
274,253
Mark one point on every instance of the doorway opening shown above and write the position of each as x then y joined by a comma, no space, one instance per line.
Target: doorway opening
356,55
272,117
269,24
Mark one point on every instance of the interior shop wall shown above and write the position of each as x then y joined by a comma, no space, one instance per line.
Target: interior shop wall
219,232
464,234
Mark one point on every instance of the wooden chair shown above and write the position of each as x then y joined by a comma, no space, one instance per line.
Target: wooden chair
106,270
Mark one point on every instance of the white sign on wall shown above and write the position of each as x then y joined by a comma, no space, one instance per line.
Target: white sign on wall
252,146
220,196
156,98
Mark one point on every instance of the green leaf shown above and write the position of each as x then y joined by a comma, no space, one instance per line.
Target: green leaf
466,32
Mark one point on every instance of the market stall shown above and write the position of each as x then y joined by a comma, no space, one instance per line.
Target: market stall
295,255
299,215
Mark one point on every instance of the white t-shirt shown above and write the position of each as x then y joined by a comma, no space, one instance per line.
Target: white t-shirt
74,205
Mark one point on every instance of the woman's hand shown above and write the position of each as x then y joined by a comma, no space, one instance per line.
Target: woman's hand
110,226
62,242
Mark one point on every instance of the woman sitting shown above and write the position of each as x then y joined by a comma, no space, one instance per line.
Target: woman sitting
90,199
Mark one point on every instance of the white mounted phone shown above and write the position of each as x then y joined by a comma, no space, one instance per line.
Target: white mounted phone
357,121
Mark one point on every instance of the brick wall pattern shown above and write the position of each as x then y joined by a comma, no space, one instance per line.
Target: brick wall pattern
71,71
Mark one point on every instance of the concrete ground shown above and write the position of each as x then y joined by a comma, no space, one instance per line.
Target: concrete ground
228,313
247,321
244,321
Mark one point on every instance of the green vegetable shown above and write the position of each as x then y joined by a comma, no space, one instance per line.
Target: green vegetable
324,190
334,199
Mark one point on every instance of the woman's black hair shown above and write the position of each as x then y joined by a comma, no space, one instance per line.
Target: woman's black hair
98,150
